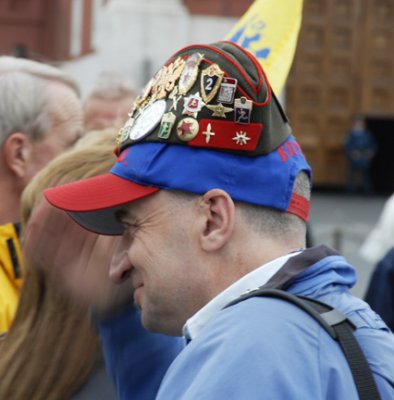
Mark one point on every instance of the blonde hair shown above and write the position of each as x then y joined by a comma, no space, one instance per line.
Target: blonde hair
51,348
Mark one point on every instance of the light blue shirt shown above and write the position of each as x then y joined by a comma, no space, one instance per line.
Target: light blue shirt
247,283
268,349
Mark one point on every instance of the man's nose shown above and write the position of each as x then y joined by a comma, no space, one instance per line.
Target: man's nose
120,267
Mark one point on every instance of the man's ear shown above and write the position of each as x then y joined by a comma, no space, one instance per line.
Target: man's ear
17,149
218,213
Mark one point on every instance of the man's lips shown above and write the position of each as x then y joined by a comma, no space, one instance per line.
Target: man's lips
136,284
137,294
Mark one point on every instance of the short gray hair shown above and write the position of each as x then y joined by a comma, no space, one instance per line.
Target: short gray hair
278,224
24,96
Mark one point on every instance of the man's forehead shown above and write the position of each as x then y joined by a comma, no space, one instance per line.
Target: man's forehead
135,208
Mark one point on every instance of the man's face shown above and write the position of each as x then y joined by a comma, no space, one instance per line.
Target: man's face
67,127
159,254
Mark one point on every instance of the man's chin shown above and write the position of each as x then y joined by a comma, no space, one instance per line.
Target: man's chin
137,306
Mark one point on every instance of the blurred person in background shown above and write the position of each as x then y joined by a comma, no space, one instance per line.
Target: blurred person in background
109,101
380,291
360,149
52,351
40,117
381,238
378,249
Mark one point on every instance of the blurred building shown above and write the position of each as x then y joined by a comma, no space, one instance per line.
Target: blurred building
52,30
344,64
86,37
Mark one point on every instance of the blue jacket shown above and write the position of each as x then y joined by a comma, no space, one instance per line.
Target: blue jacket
380,293
265,348
136,359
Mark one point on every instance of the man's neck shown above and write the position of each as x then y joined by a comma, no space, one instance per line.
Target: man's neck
9,205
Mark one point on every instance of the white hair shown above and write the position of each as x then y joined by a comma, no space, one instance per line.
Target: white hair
24,96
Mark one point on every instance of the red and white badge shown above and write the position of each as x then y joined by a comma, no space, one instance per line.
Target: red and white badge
192,105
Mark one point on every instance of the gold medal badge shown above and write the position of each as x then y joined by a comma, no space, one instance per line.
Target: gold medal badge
143,100
211,78
190,73
219,110
169,75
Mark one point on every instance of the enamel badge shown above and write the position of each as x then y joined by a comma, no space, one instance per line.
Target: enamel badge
243,110
148,120
166,125
192,105
211,78
189,73
227,90
187,129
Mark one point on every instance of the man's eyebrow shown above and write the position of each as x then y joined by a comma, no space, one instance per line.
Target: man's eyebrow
124,215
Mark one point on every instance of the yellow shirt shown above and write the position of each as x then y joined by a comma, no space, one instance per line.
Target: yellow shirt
11,271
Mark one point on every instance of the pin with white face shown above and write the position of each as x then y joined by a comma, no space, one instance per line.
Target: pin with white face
187,129
148,120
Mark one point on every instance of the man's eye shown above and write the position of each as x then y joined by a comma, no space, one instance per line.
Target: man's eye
129,229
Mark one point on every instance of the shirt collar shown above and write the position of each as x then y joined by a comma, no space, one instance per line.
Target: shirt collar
247,283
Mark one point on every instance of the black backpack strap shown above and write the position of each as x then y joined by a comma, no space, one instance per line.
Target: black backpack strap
339,328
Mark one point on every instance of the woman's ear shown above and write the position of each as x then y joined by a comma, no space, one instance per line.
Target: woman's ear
217,213
16,151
